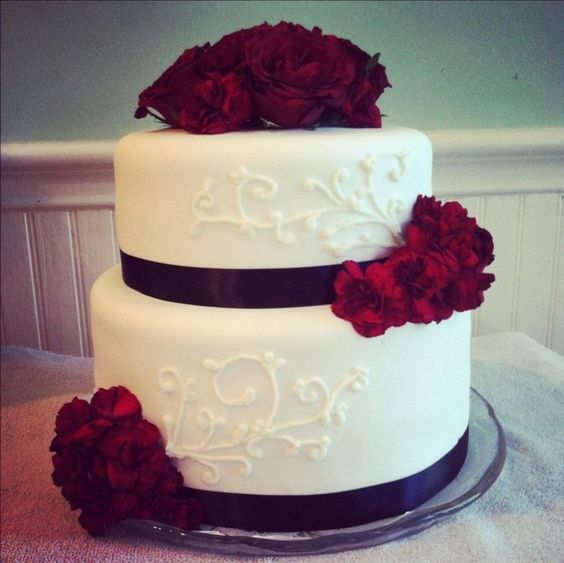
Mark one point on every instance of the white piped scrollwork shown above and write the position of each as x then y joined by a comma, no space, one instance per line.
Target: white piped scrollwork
350,206
231,440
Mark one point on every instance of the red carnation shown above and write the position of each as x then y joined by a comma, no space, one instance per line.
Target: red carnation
447,228
116,403
446,233
372,301
216,105
77,423
182,510
467,290
473,247
423,278
437,272
72,416
110,464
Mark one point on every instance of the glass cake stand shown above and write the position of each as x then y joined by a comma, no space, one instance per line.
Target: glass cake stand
484,462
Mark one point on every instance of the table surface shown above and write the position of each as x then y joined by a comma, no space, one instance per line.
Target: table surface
521,518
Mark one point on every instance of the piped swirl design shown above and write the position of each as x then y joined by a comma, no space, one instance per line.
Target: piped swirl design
354,210
226,441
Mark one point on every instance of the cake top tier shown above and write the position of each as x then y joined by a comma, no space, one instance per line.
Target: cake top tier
268,199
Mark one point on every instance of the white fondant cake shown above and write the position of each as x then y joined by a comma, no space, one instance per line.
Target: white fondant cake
289,400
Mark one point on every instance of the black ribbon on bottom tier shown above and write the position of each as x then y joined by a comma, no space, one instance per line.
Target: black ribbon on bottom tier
281,513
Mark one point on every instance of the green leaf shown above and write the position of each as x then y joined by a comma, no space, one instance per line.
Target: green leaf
372,63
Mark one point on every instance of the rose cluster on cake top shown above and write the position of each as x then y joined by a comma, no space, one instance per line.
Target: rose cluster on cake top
282,76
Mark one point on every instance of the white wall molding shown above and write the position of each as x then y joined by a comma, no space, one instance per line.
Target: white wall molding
57,154
59,175
503,161
58,233
68,175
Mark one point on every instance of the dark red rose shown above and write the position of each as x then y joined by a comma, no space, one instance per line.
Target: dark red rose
359,108
227,56
297,74
283,75
165,94
377,77
372,301
203,91
116,403
216,105
360,58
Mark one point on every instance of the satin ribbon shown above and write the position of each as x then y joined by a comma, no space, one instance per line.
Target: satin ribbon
264,513
267,288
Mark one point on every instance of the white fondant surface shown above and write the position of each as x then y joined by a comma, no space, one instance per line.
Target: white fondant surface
284,401
267,199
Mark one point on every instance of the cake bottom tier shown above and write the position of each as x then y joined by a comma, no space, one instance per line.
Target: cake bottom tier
285,419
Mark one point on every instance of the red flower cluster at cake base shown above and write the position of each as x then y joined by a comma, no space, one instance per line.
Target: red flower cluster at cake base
269,76
439,270
110,464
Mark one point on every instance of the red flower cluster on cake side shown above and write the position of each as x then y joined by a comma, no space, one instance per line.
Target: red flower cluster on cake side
109,462
439,270
269,76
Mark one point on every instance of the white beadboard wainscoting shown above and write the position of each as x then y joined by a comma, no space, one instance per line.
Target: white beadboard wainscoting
58,231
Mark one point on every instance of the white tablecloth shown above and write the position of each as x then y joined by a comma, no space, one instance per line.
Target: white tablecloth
521,518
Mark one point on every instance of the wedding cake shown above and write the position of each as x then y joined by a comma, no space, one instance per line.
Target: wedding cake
291,309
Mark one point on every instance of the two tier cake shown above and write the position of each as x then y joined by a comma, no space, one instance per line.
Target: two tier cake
292,305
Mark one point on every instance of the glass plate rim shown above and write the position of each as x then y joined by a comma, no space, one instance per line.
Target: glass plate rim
333,541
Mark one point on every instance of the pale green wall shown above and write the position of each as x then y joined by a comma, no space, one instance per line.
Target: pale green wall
73,70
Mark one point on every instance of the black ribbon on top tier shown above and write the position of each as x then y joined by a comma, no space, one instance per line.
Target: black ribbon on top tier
267,288
265,513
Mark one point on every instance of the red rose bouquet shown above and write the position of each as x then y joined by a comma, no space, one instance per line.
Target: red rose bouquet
439,270
268,76
110,464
